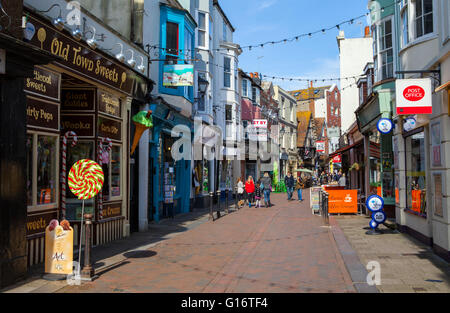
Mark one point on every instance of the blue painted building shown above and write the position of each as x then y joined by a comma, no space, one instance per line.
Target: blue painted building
170,181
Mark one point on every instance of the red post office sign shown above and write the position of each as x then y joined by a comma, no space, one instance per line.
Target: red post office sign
413,96
337,159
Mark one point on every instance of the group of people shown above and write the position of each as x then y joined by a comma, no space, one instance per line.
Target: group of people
298,184
255,192
326,178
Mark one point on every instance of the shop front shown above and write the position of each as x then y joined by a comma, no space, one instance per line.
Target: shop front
78,107
378,149
171,179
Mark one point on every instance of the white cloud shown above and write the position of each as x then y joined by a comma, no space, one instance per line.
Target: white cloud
266,4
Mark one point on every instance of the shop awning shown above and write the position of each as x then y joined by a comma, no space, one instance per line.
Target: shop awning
346,148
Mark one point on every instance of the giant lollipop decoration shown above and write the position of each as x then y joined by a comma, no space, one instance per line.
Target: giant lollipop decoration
143,121
85,181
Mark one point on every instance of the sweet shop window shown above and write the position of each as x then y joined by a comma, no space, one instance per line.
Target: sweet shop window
111,168
42,171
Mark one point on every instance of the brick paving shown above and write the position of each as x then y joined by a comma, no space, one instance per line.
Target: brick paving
279,249
406,264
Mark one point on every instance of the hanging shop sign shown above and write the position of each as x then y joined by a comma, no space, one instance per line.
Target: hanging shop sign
83,125
79,58
320,146
42,114
409,124
337,159
385,126
259,124
333,132
43,83
109,104
413,96
178,75
109,128
375,203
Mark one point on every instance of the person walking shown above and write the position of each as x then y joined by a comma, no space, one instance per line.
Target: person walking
258,194
240,187
342,182
289,182
250,189
299,187
266,186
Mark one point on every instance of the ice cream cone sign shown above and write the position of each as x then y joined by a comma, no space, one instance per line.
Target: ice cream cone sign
143,121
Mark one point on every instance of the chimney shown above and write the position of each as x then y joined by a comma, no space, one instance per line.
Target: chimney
367,32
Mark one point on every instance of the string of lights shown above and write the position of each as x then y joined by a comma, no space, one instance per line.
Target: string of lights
285,40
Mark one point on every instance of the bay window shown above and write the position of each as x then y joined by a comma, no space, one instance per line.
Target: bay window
201,29
424,17
245,88
227,72
386,51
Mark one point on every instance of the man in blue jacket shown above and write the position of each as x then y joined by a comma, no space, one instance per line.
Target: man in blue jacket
289,182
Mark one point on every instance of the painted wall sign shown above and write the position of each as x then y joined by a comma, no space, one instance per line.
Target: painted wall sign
43,83
37,223
375,203
80,58
112,210
385,125
42,114
109,104
83,125
109,128
413,96
178,75
78,100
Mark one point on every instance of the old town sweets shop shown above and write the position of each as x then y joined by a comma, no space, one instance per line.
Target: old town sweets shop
89,93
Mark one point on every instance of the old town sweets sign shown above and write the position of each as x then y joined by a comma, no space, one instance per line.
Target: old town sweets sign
109,104
43,83
80,58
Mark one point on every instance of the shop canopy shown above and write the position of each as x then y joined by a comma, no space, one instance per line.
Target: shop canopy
346,148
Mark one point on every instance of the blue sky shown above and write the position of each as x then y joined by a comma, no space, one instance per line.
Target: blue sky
258,21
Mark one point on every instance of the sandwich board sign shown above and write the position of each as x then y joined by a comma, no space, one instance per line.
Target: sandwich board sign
413,96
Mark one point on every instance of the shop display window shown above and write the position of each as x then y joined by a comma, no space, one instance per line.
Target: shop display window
83,150
415,174
42,167
111,169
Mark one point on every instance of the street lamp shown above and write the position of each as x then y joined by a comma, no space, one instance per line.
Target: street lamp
202,87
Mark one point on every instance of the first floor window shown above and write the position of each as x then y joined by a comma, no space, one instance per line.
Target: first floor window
201,29
424,17
244,88
227,72
405,31
42,176
415,173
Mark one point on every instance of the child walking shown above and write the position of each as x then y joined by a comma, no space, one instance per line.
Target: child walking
258,194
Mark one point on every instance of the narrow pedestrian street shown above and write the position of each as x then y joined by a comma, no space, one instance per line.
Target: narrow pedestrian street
283,248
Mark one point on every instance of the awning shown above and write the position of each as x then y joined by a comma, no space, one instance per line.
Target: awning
346,148
442,87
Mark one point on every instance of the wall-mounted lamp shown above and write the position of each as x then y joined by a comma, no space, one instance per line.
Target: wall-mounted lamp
120,55
141,67
77,34
57,22
92,42
131,62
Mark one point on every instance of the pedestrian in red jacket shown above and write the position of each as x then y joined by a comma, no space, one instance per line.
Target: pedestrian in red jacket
250,189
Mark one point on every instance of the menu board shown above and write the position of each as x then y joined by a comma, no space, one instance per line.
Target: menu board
169,187
315,198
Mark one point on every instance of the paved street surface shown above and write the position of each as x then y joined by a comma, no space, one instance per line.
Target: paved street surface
279,249
406,264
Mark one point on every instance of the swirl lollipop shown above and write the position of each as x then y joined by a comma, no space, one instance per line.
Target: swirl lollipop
86,179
